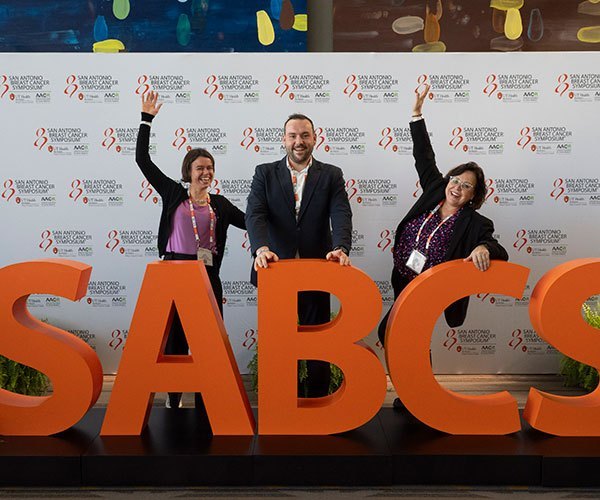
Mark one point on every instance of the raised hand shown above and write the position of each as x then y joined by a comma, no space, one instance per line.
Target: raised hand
419,100
150,103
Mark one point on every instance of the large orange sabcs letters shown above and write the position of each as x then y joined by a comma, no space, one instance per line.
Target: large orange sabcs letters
408,337
71,365
210,369
282,343
555,311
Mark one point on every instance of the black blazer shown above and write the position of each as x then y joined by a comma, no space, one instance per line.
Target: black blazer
471,229
324,221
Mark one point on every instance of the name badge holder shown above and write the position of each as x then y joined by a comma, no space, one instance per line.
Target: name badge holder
416,260
203,254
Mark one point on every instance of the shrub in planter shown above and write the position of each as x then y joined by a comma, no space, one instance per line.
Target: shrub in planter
21,379
577,374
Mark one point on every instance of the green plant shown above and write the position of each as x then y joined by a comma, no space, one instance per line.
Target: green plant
21,379
577,374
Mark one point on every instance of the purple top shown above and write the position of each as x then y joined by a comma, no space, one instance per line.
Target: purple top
437,248
182,239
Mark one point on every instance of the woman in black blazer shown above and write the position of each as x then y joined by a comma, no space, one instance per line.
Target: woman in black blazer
444,223
193,223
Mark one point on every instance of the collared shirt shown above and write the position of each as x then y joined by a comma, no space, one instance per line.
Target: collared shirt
298,182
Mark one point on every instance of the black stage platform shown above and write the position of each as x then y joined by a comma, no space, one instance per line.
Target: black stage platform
177,449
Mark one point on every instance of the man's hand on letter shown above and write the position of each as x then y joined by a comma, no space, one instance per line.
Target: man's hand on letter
263,257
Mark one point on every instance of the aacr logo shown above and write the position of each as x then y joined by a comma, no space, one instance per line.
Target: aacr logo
390,94
322,94
115,199
495,146
526,198
251,95
48,198
182,95
530,94
357,147
118,300
80,147
43,95
389,198
111,95
461,94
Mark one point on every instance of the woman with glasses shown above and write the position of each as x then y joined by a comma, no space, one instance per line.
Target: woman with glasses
444,223
193,223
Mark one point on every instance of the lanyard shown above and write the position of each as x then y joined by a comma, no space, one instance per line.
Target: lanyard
297,186
211,233
431,214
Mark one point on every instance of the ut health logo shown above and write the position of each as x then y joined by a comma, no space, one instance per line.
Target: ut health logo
46,241
387,140
249,139
109,140
457,139
516,340
283,87
351,87
492,86
143,85
9,191
559,190
321,138
564,84
72,87
181,140
521,241
41,139
114,242
525,139
147,192
451,340
212,87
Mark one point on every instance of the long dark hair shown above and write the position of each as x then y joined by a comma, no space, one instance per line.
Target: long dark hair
189,158
480,186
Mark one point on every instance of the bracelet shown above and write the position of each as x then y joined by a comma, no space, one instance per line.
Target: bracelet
417,116
146,123
262,250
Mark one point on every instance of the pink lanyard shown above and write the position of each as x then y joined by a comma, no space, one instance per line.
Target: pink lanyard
431,214
211,233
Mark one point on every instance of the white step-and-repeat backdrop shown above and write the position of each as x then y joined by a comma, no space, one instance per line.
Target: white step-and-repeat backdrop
70,187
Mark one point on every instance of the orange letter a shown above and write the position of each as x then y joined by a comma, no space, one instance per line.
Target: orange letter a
210,368
282,343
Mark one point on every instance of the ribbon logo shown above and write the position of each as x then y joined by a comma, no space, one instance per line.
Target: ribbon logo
180,139
113,240
517,339
72,86
457,137
46,242
320,133
76,190
246,242
521,241
283,86
386,138
422,82
491,86
250,339
116,339
9,190
146,191
558,190
41,140
385,241
563,84
4,87
351,188
351,86
248,139
451,339
211,86
525,138
109,138
143,85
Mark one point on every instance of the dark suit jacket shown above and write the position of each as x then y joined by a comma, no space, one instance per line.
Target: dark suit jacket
471,229
324,221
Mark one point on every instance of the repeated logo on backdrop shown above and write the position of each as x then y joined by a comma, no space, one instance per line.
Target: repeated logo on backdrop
213,139
546,140
445,88
25,89
100,193
371,88
340,140
62,141
477,140
576,191
543,242
131,242
578,87
172,89
511,192
470,341
511,88
232,89
304,88
29,192
92,88
66,243
372,192
263,140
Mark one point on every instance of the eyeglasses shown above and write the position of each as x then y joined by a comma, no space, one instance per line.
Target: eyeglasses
455,181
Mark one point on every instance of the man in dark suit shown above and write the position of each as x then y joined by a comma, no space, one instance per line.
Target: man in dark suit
298,208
